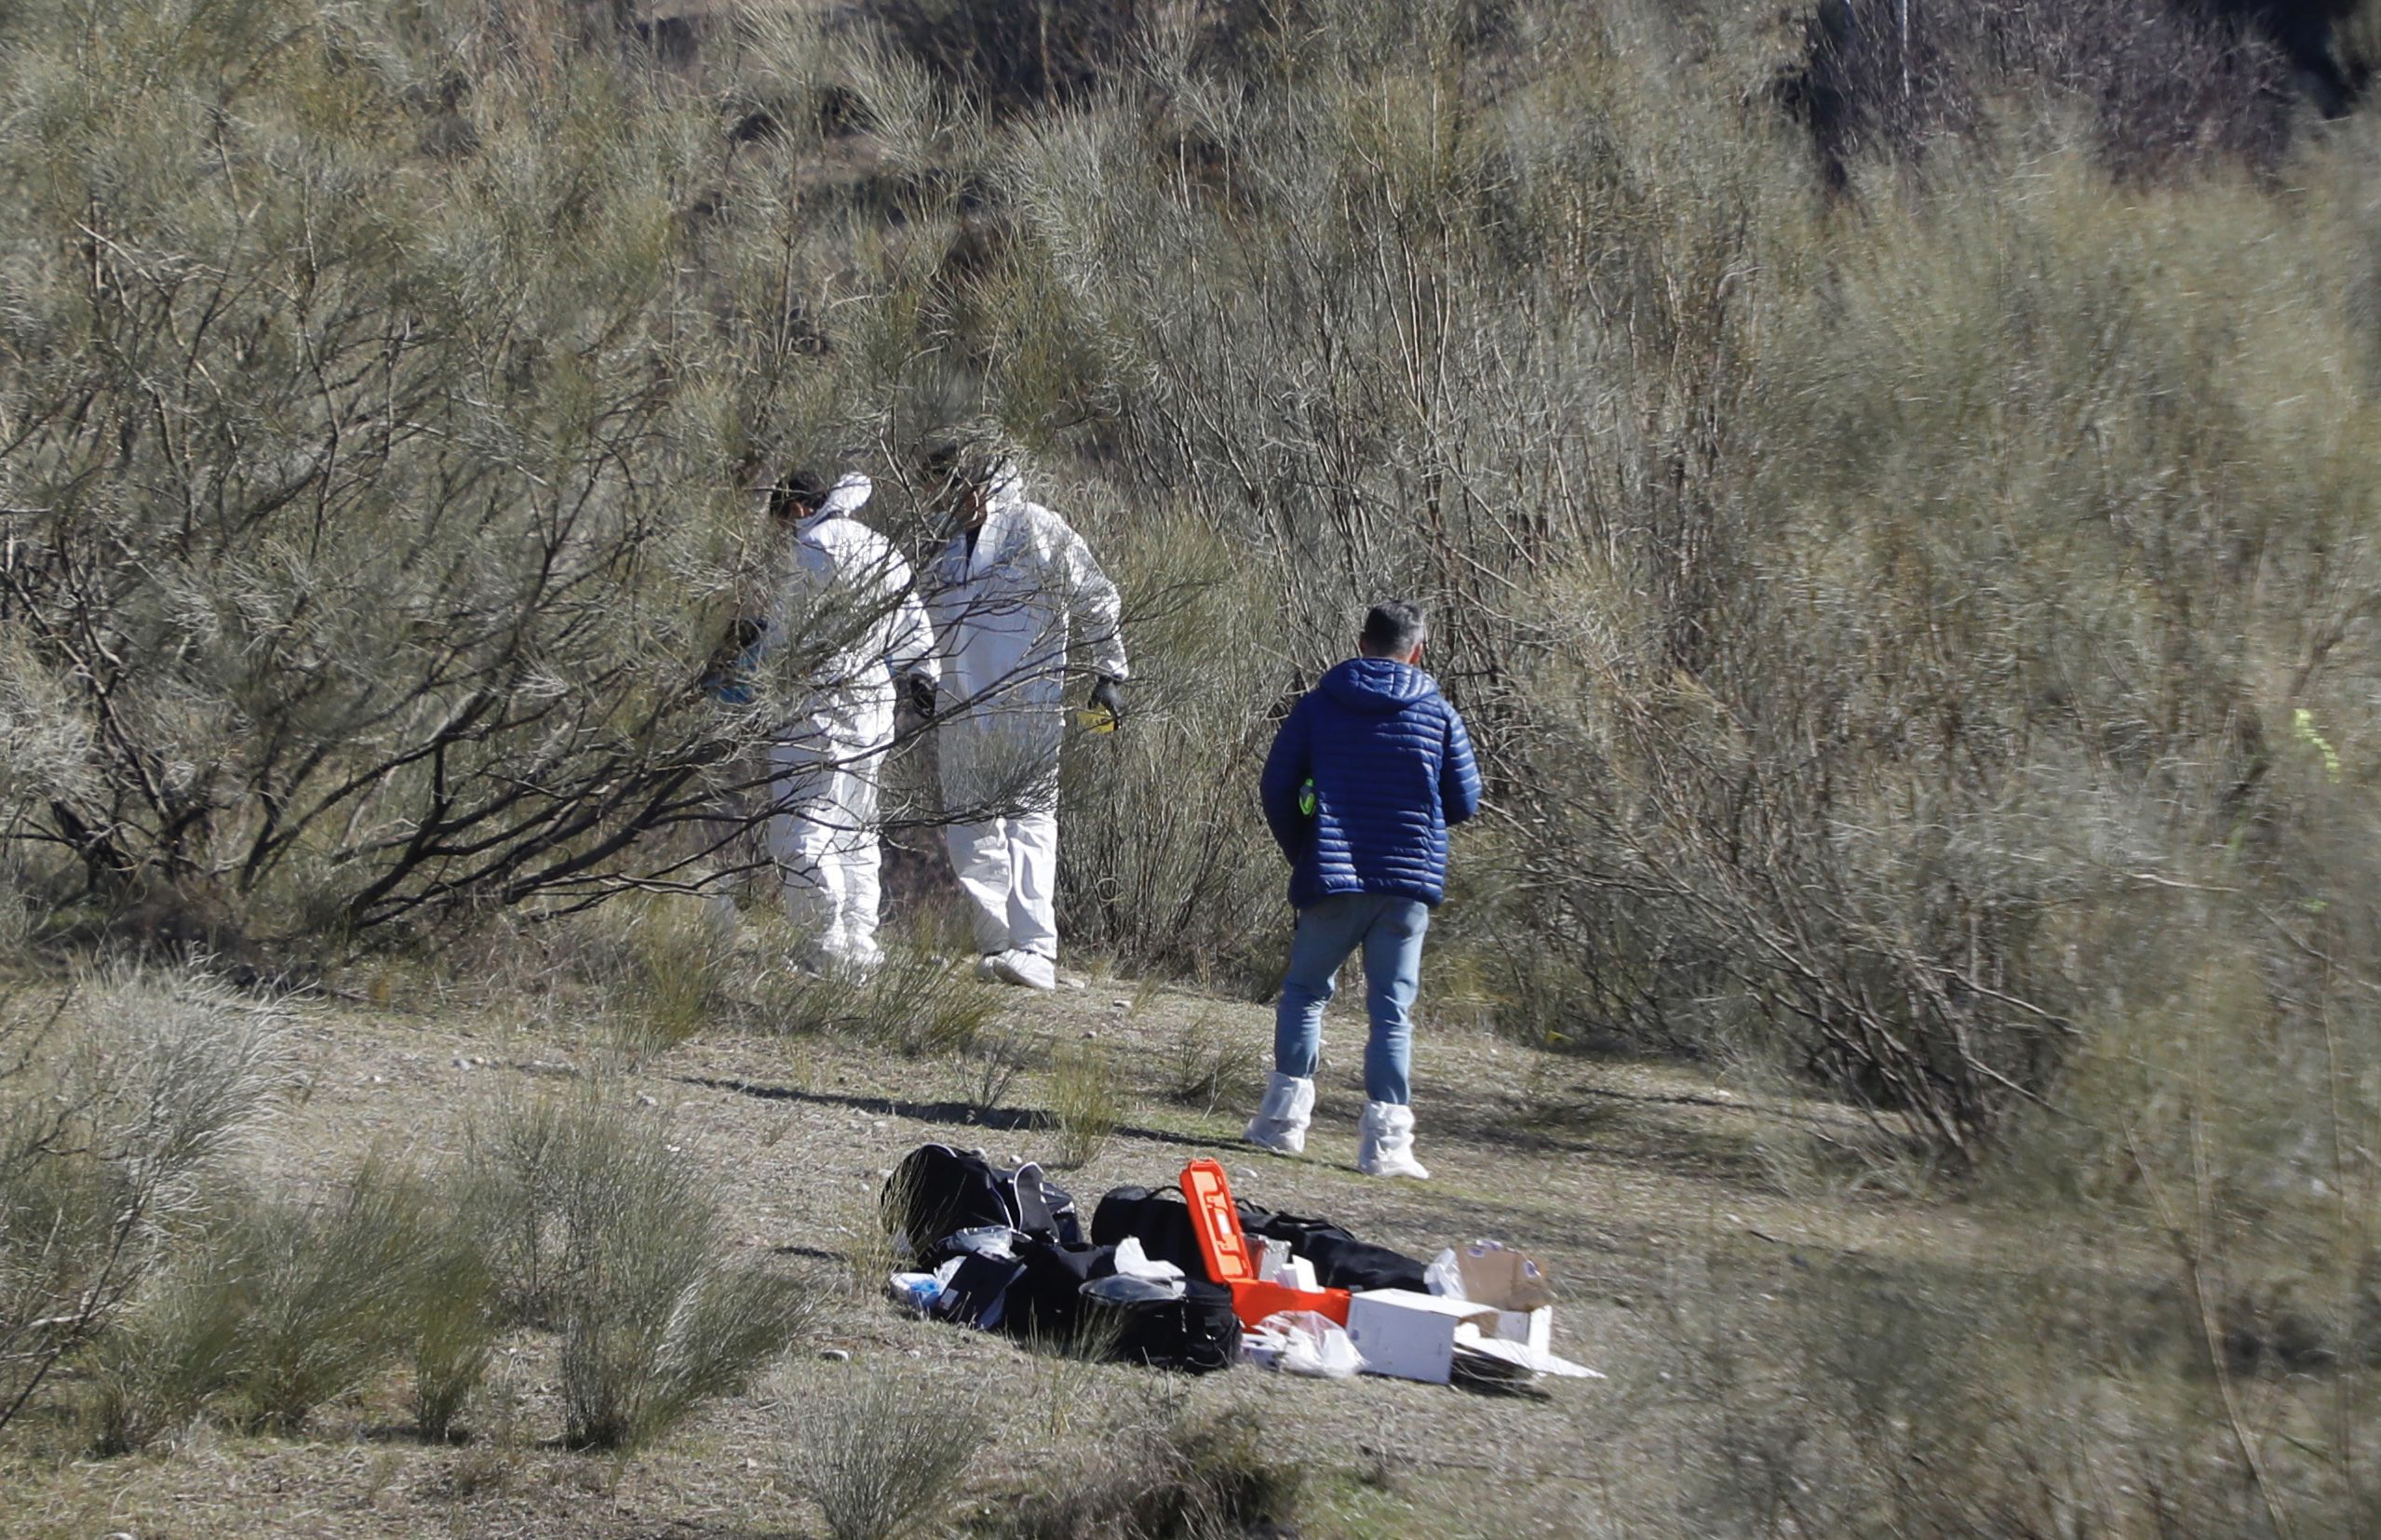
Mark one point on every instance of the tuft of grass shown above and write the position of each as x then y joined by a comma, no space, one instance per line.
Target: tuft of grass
872,1250
675,1328
1066,1369
160,1367
278,1310
452,1331
663,969
518,1162
1087,1100
1207,1065
683,968
337,1288
607,1232
919,1004
988,1070
121,1105
881,1452
1182,1475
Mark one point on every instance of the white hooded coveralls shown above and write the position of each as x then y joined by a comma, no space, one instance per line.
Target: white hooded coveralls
1003,614
849,594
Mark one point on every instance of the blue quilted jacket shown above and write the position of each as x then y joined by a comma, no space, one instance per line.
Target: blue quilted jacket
1392,768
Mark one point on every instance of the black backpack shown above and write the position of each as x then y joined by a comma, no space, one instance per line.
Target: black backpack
1042,1302
1196,1334
1160,1221
938,1191
1046,1302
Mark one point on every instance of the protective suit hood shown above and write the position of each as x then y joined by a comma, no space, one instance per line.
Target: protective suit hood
848,496
1005,487
1378,687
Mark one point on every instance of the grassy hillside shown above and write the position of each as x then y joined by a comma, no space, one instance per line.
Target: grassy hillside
1897,507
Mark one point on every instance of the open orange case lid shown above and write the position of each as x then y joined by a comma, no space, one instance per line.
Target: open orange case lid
1221,1242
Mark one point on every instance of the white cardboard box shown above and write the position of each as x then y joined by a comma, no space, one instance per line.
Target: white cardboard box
1473,1348
1533,1328
1409,1335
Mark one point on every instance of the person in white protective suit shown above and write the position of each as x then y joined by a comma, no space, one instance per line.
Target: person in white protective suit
849,600
1005,596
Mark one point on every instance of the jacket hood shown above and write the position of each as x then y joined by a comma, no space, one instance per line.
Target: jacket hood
1378,687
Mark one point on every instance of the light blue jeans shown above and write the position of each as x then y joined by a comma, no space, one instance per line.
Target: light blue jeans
1389,930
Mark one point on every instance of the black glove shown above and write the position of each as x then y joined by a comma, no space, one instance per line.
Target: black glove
922,696
1108,697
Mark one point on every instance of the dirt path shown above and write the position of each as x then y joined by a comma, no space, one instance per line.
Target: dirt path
1643,1186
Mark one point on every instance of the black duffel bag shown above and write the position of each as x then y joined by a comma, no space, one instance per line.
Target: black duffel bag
1054,1304
1340,1260
938,1191
1160,1220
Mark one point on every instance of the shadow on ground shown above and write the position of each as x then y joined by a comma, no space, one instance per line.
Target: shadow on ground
959,1114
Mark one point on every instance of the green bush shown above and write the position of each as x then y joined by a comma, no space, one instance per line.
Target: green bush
333,1289
1011,54
879,1453
168,1358
607,1233
438,477
1847,608
280,1307
918,1003
1208,1066
121,1106
452,1329
1181,1475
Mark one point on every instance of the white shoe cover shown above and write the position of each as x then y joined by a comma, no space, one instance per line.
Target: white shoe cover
1028,970
1385,1142
1279,1124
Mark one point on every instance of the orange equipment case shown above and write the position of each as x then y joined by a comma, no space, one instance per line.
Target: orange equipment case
1226,1250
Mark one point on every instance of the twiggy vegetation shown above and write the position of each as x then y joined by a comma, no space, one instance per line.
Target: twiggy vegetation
1908,565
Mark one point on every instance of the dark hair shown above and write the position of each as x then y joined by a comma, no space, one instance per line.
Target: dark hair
964,460
1395,628
796,489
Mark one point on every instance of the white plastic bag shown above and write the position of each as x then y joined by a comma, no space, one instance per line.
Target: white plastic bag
1303,1342
1442,1277
1133,1262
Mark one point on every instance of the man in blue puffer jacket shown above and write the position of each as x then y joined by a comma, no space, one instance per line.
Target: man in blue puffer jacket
1362,782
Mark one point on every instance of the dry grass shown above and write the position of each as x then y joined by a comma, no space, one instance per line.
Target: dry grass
1677,1253
880,1453
608,1234
988,1071
1208,1066
919,1004
1920,642
1181,1476
280,1308
1088,1097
